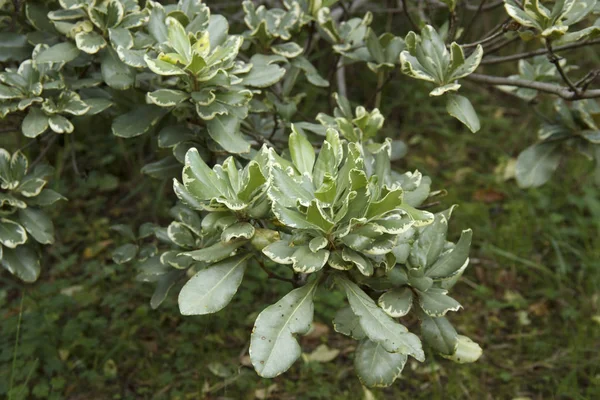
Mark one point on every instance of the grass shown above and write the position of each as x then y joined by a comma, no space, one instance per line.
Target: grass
531,294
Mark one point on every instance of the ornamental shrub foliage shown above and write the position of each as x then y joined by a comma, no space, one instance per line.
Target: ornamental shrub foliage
315,202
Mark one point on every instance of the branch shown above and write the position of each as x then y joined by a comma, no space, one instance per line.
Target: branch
554,59
410,20
530,54
561,91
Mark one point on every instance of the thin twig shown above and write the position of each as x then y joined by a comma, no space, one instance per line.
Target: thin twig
554,59
561,91
471,22
44,151
530,54
273,275
410,20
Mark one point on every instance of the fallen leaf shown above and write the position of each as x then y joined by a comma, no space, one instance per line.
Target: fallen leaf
321,354
488,196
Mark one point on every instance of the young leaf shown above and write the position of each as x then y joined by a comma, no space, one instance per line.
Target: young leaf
302,152
460,108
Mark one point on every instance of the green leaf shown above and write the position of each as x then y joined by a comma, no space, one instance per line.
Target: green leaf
430,243
302,152
166,97
138,121
180,235
306,261
47,197
124,253
61,52
347,323
115,73
264,71
439,334
537,163
60,124
211,289
13,47
37,224
90,42
287,50
21,262
396,302
375,366
225,130
436,303
239,230
378,326
11,233
178,39
273,348
451,263
199,179
35,123
216,252
460,108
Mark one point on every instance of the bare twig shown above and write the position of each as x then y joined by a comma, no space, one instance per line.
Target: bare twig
273,275
561,91
410,20
473,18
554,59
530,54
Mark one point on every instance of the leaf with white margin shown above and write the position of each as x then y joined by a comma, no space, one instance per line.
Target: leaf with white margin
239,230
61,52
21,262
11,233
347,323
306,262
216,252
461,108
281,252
60,124
211,289
439,334
467,351
115,73
161,67
288,50
451,263
265,72
166,97
35,123
180,235
375,366
273,348
225,130
302,152
90,42
37,224
379,326
438,91
436,303
396,302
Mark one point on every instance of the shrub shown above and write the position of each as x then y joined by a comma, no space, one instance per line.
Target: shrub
262,185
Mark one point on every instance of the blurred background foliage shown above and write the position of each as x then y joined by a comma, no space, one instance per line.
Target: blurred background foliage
86,330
